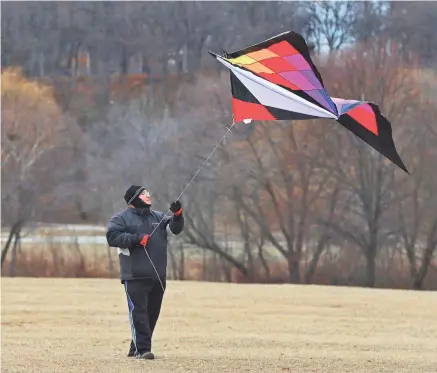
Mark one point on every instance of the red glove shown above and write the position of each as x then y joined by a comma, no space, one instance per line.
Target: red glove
144,240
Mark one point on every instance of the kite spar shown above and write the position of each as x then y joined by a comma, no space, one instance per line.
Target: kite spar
277,80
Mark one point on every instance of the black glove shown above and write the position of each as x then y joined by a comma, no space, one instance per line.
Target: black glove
176,208
136,238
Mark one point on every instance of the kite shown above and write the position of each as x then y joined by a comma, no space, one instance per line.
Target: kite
277,80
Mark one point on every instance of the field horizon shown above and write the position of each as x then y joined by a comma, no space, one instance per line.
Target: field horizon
81,325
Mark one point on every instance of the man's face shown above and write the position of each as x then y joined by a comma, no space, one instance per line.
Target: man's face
145,197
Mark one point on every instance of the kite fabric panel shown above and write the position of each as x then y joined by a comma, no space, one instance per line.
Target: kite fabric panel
277,80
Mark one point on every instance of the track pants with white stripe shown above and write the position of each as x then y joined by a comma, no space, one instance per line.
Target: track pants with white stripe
144,298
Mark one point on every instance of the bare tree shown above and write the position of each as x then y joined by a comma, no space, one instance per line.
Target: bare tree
331,23
416,215
374,72
411,26
34,131
277,184
371,20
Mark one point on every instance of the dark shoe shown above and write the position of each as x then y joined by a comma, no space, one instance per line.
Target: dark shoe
131,353
146,355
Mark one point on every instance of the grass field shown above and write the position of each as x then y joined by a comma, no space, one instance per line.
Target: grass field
81,325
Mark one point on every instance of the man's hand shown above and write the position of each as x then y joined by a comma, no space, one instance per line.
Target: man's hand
176,208
144,240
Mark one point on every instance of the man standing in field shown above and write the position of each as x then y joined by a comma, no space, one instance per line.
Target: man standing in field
143,274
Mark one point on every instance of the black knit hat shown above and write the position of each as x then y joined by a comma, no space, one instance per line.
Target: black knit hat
132,192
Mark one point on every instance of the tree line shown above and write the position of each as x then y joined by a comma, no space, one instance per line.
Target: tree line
102,38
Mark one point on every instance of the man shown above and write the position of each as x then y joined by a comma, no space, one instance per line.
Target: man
130,230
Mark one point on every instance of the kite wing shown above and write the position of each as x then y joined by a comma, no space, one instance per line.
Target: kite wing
277,80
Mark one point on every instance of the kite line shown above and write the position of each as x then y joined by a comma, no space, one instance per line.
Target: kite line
203,164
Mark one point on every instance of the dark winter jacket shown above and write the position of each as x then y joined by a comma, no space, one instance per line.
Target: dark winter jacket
125,231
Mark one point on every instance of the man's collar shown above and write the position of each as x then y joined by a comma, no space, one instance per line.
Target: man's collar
141,210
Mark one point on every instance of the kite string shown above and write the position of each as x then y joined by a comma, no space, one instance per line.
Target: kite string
203,164
206,160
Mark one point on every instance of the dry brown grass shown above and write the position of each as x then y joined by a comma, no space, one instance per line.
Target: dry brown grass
81,325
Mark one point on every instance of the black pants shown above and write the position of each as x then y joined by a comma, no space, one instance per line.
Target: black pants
144,298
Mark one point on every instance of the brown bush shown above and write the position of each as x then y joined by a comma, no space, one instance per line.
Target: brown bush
344,271
37,264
